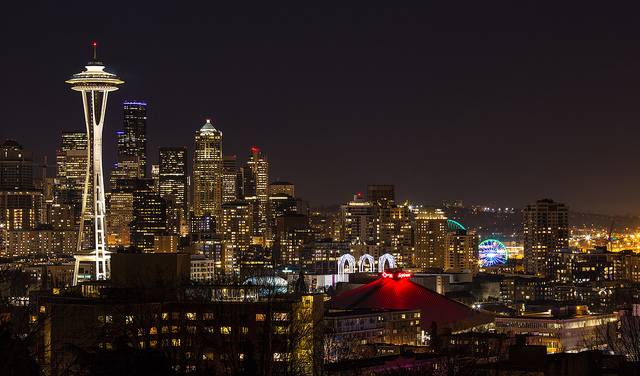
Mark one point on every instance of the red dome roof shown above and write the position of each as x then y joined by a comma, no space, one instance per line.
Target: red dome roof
389,293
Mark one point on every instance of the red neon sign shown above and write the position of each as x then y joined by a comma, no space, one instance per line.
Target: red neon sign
399,275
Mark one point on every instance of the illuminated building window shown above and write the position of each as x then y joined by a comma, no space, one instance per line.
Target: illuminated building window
128,319
261,317
174,329
207,356
43,309
244,330
208,316
175,342
190,315
279,329
280,316
225,330
280,357
165,329
153,343
153,330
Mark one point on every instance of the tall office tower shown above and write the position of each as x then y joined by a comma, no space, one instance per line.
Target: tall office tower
95,84
207,172
235,226
429,238
21,205
172,185
282,187
256,190
149,218
461,251
546,230
357,221
132,143
229,179
120,210
378,193
71,172
292,234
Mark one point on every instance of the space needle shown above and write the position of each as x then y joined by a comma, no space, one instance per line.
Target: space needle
94,84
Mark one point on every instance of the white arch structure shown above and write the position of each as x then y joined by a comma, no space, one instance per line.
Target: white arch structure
388,258
346,258
363,259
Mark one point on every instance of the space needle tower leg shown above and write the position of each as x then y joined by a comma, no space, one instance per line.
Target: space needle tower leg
95,84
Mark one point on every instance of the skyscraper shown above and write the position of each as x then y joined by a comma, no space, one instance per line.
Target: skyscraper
229,179
357,221
235,226
95,84
21,205
461,251
429,238
132,143
71,172
207,172
172,183
16,167
120,210
256,190
149,218
546,230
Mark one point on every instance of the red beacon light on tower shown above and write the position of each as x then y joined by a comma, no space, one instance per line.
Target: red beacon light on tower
399,274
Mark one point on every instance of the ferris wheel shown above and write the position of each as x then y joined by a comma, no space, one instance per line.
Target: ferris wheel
492,252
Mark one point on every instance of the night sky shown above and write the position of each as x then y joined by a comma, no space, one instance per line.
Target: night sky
489,102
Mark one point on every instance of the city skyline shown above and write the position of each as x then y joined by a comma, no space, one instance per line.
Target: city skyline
321,191
486,98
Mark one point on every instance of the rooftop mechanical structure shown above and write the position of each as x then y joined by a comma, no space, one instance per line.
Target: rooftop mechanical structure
94,84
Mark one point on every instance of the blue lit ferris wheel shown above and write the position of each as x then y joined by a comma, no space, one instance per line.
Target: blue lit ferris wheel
492,252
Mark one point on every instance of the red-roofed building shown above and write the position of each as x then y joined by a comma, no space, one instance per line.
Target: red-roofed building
393,293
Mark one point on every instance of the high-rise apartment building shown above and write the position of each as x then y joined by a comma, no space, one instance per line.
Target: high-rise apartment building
429,238
461,251
172,185
207,172
235,226
256,190
357,221
546,230
132,143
